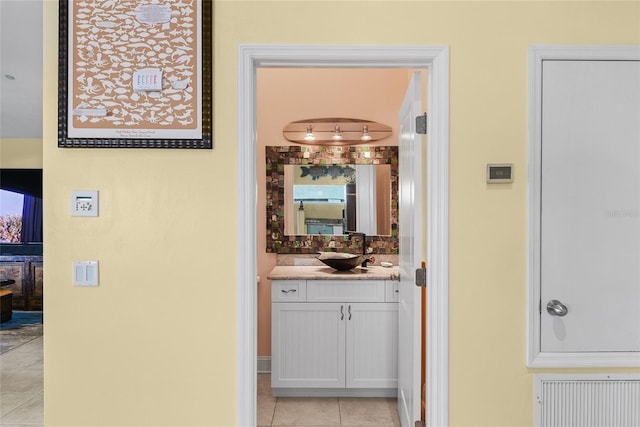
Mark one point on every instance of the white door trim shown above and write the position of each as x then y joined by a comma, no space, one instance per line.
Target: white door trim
436,60
535,357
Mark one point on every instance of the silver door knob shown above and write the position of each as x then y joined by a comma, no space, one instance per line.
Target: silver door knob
556,308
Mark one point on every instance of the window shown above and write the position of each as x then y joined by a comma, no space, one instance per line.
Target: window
319,193
20,205
10,216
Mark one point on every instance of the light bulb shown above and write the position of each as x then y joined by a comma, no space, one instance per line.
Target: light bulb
309,136
337,135
365,134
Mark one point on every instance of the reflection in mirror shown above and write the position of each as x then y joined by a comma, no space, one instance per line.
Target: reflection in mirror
316,194
337,199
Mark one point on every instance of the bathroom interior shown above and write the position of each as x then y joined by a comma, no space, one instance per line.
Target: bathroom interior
299,217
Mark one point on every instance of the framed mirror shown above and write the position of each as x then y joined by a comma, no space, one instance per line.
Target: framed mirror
317,194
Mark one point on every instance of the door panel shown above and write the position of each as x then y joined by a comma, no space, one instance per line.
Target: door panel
37,283
308,345
410,232
372,345
590,205
16,270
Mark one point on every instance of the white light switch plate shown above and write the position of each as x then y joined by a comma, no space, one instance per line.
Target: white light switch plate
84,203
85,273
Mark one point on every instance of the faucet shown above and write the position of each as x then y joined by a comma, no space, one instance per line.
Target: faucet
363,238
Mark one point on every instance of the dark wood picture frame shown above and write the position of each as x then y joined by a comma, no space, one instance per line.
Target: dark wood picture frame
115,137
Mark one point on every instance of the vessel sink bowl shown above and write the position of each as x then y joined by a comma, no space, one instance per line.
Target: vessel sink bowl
341,261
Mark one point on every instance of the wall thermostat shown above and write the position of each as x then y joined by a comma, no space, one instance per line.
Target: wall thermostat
499,172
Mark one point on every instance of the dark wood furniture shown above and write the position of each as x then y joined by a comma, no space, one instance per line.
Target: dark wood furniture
6,300
26,272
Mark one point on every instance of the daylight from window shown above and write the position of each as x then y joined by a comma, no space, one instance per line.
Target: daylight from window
319,193
10,216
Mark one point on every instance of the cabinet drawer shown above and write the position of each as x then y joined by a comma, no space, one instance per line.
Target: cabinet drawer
391,290
345,290
288,290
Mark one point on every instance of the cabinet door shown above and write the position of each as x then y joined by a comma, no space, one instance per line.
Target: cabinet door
36,285
308,345
372,345
16,270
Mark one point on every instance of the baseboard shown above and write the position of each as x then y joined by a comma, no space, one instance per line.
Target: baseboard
264,364
334,392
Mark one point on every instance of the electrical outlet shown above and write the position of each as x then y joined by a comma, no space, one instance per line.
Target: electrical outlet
84,203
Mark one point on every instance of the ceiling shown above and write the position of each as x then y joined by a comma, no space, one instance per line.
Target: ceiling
21,58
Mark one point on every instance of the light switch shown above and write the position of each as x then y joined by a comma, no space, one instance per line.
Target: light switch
85,273
84,203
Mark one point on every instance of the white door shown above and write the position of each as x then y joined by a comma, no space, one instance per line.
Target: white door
590,206
410,235
366,209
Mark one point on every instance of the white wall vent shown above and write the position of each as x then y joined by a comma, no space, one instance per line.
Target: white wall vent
599,400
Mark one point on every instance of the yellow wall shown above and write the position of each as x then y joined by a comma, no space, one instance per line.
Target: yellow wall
155,343
18,153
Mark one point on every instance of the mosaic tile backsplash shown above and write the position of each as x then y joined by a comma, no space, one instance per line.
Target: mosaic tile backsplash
278,156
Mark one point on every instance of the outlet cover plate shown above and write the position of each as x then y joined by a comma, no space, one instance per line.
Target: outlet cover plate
84,203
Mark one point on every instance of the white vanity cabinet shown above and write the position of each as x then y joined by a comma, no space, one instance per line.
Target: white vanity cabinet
334,337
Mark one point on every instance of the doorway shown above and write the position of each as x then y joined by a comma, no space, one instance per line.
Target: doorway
435,60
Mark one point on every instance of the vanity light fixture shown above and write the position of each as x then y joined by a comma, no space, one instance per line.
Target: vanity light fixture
338,131
365,134
337,134
309,135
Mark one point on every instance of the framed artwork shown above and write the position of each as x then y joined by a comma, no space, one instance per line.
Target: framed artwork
135,74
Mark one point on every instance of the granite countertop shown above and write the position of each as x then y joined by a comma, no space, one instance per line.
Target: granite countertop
311,272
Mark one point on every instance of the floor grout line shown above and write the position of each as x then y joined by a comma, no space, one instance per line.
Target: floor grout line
19,345
341,420
273,414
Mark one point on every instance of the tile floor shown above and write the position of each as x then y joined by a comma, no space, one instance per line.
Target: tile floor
22,385
22,395
302,412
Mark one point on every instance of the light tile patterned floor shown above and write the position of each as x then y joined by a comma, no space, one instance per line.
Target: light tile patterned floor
21,399
303,412
22,385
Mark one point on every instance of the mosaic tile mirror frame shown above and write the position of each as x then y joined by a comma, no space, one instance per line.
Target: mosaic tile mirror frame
279,156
